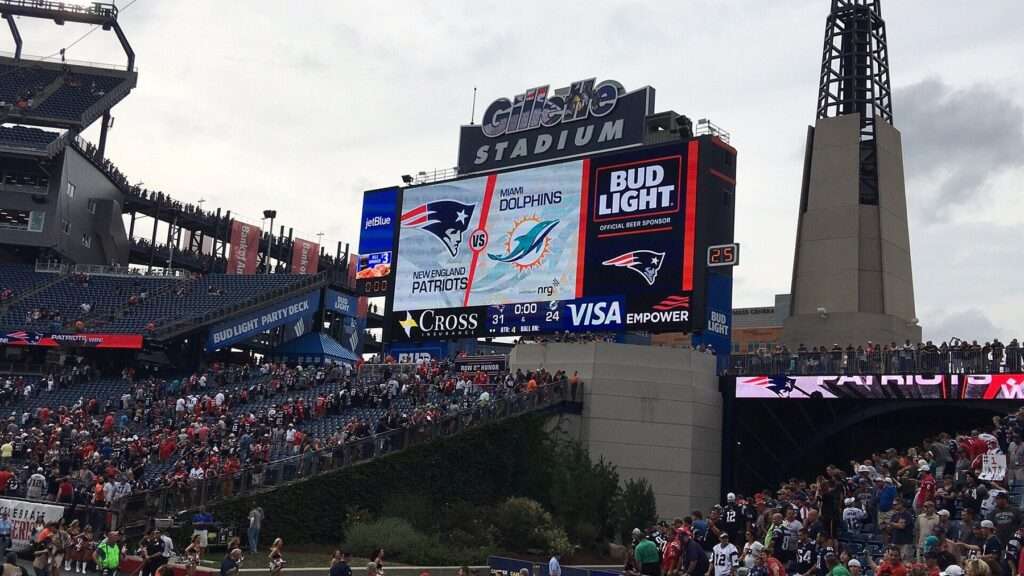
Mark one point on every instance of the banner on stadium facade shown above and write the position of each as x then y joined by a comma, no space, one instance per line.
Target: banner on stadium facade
341,303
305,256
993,467
245,247
85,340
884,386
246,326
376,240
491,363
25,515
541,125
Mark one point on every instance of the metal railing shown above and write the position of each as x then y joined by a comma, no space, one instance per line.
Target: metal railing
198,494
880,361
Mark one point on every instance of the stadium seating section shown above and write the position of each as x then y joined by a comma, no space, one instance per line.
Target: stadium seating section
54,93
22,137
125,304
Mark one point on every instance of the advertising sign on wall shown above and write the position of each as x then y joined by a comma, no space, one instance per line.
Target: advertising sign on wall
85,340
245,247
24,516
246,326
376,238
305,256
884,386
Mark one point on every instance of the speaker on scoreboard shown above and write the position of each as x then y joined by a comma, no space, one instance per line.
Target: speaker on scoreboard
682,125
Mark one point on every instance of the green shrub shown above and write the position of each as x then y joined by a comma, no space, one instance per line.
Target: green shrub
639,509
396,536
523,525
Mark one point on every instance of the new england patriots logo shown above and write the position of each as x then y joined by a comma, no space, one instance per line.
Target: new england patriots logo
527,243
446,220
26,337
646,263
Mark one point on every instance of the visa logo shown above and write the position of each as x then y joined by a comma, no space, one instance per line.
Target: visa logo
598,313
377,221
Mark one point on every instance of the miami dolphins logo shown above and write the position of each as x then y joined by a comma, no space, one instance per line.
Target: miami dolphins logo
527,243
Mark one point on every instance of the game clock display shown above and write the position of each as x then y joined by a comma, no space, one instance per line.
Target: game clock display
523,318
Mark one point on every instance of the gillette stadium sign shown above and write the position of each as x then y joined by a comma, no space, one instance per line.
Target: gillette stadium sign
540,125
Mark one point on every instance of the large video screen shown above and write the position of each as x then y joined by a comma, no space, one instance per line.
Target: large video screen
376,235
883,386
601,244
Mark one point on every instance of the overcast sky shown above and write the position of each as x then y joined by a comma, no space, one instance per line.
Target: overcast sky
300,106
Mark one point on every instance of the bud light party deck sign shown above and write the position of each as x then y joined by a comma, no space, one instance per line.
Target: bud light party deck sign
246,326
598,244
884,386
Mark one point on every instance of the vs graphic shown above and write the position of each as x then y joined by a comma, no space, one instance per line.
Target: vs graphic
446,220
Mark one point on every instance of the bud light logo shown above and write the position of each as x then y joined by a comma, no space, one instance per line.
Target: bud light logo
646,188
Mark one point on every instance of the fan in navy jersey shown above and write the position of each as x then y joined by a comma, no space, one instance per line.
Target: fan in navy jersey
1011,555
806,554
822,550
732,516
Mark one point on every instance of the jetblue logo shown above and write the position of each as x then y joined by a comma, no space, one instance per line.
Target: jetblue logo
377,221
638,190
594,314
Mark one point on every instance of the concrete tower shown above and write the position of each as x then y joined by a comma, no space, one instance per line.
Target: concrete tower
852,279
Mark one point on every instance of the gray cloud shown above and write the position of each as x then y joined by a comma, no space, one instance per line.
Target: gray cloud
968,324
956,141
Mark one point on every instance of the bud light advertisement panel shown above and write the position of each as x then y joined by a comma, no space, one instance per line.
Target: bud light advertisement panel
496,239
376,234
640,239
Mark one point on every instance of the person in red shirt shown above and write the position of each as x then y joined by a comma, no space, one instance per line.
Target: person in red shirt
5,477
670,557
108,423
892,565
65,491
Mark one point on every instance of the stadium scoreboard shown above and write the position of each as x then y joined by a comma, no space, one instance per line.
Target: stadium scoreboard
618,241
562,226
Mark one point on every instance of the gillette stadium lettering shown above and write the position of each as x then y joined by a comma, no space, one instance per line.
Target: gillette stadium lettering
536,107
636,190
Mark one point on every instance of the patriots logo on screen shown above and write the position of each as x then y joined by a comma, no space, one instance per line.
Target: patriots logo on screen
23,336
780,385
646,263
446,220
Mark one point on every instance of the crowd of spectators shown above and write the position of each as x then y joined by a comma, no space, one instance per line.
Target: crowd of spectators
928,510
955,356
167,432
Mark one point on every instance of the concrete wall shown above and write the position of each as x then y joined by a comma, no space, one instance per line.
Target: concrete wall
853,260
654,412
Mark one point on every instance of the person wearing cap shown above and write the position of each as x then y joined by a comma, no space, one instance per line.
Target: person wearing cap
854,567
925,484
725,558
151,549
952,570
35,487
646,554
108,554
694,560
1005,517
853,516
992,547
886,496
926,523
